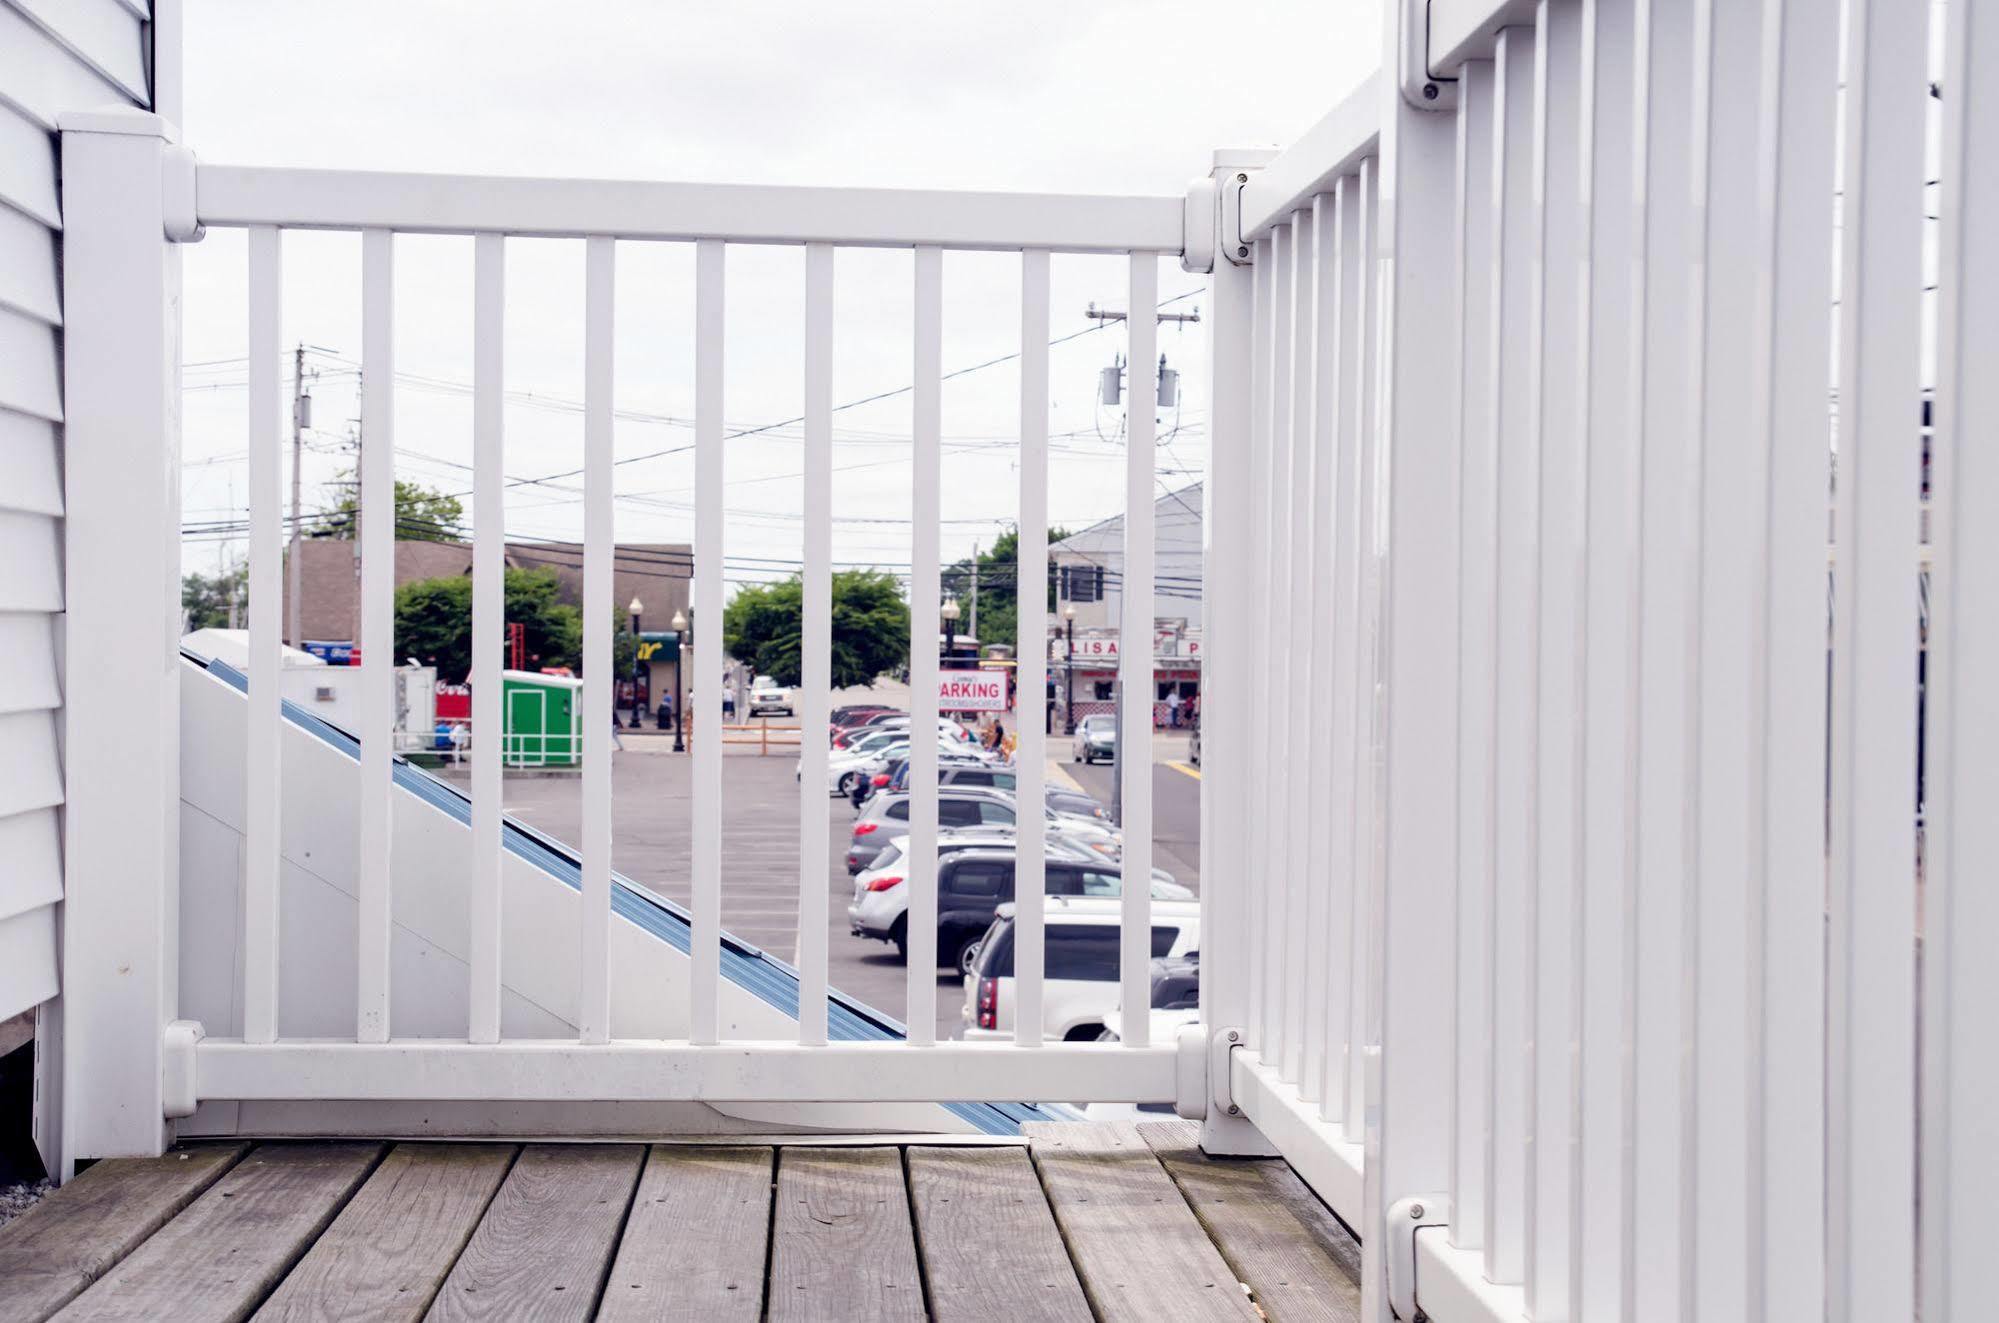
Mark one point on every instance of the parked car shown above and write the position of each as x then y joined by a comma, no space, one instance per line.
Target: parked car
1194,742
1176,999
769,698
885,766
887,815
1079,966
1095,738
975,873
999,776
853,713
848,769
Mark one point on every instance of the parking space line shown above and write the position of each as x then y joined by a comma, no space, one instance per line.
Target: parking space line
1194,772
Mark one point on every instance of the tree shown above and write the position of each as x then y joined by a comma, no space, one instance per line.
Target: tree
999,608
434,622
423,514
761,626
206,598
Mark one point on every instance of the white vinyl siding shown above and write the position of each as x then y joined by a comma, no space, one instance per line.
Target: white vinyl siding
55,56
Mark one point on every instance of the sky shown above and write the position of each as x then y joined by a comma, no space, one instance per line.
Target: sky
1116,96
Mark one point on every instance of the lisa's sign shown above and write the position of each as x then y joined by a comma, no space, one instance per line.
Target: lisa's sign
971,691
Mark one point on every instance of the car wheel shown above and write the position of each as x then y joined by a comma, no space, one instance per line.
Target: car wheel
968,955
846,784
899,934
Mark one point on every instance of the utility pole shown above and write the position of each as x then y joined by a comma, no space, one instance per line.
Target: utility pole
301,406
974,626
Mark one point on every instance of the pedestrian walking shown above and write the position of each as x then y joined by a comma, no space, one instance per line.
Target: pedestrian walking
664,717
1173,709
617,741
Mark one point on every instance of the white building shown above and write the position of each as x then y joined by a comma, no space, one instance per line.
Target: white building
1089,566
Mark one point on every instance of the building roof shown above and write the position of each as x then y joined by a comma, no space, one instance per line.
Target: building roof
656,573
1176,530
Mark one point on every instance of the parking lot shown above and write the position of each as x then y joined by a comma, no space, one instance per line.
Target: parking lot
651,809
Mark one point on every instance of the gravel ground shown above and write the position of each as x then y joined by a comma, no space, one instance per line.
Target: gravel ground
19,1198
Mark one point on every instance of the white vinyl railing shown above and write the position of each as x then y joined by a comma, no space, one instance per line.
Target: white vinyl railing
1573,938
1596,971
701,1061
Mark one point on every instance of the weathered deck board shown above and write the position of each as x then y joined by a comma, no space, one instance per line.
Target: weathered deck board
990,1248
51,1253
545,1244
226,1250
1140,1250
1299,1262
695,1243
387,1253
843,1247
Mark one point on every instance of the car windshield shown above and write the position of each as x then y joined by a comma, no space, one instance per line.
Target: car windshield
1100,725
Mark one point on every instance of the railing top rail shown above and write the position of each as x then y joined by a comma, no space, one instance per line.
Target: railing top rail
233,195
1460,30
1335,146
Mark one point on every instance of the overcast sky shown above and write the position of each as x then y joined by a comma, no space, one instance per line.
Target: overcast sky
1115,96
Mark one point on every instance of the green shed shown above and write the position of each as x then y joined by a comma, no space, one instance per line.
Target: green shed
542,716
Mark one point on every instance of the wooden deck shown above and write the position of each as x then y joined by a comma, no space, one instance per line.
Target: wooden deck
1112,1222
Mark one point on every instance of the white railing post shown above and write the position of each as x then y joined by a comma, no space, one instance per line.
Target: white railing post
121,306
1226,965
1408,1133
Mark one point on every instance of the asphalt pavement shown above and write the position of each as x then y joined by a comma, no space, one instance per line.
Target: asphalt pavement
651,809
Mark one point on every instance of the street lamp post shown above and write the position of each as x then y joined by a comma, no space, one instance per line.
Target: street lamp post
679,699
950,631
1069,669
637,609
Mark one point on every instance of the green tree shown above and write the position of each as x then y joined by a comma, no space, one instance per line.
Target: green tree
205,598
761,626
423,514
999,606
434,622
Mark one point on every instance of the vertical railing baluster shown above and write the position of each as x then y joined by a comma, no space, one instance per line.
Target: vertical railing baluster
1517,404
1256,693
263,822
1871,937
1317,875
1275,498
1368,327
1135,672
1560,111
1787,453
1291,953
1731,387
1657,1126
815,650
1344,440
1031,629
1961,908
926,420
705,690
596,713
1605,895
374,863
1478,622
489,622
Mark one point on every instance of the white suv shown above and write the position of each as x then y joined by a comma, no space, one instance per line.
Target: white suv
1080,966
769,698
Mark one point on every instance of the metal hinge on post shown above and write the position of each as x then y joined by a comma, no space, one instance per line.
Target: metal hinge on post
1405,1218
1420,87
1212,222
177,190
